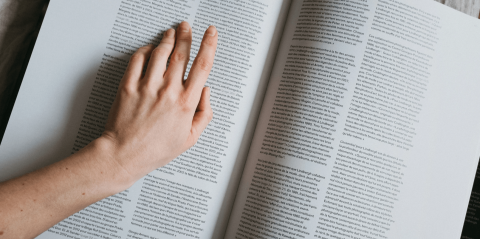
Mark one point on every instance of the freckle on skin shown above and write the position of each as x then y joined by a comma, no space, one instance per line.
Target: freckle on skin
83,193
21,210
34,200
66,168
1,233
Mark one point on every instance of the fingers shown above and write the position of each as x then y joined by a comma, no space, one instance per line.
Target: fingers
158,60
136,64
203,62
202,117
180,55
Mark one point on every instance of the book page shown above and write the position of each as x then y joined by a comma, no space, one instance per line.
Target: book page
369,128
71,82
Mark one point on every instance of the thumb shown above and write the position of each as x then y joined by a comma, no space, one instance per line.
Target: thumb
202,117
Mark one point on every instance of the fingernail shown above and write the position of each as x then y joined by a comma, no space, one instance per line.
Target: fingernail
169,33
211,31
184,27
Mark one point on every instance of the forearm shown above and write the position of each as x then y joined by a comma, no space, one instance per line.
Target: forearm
41,199
155,117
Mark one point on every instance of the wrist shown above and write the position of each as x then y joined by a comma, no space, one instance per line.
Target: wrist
114,175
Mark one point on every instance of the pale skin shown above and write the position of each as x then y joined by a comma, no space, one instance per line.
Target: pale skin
155,117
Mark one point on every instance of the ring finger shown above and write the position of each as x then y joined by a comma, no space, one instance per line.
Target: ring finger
158,60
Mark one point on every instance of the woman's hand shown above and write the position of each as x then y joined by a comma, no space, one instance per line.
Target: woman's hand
157,115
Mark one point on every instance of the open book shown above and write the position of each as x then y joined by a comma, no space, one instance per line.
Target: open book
332,118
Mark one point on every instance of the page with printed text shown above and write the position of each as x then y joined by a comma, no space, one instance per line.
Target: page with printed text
369,127
71,82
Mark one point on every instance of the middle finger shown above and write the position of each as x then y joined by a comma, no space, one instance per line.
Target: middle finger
181,54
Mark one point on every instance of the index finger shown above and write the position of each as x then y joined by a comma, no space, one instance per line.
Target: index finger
203,62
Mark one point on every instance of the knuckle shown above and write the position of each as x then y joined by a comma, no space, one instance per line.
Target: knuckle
128,89
179,57
149,90
186,103
203,63
167,95
159,51
136,57
208,41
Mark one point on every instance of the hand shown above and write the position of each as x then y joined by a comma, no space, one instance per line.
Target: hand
157,116
154,118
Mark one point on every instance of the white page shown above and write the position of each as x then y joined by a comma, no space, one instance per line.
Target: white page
304,184
71,79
